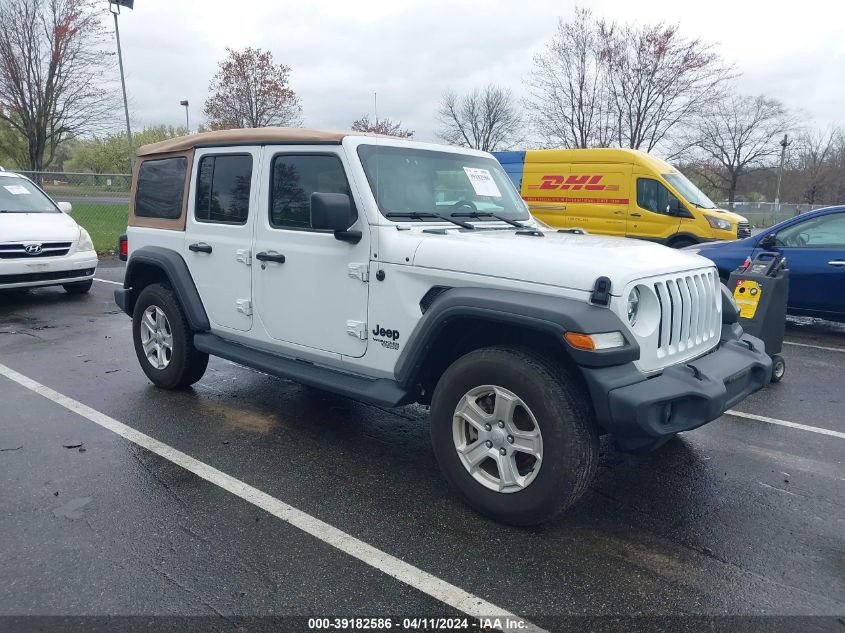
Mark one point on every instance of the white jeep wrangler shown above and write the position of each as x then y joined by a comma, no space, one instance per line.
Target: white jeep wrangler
393,272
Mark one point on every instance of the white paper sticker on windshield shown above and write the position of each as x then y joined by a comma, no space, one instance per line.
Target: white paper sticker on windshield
482,182
17,190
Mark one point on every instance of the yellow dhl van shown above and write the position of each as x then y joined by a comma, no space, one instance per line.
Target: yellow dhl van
621,192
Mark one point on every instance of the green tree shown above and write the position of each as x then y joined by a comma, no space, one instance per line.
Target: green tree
107,154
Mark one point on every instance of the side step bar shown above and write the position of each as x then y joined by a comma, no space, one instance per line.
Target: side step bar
380,391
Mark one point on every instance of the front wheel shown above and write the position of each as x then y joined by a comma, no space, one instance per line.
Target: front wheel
78,287
682,242
164,343
514,434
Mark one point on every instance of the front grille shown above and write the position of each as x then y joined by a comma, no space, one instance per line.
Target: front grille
743,230
54,276
689,313
17,250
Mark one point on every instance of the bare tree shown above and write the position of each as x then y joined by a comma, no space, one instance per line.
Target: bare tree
486,119
381,126
51,66
568,86
739,135
657,79
815,161
251,90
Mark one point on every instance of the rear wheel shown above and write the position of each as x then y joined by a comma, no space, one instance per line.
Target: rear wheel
513,434
164,343
778,368
79,287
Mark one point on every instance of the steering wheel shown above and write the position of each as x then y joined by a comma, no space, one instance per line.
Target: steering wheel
464,203
797,240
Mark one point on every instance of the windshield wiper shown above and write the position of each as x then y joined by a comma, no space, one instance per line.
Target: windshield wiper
487,214
416,215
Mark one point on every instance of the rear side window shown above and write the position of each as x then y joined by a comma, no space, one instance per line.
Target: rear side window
294,179
223,184
160,188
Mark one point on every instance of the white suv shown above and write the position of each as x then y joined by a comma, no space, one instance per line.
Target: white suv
394,272
40,244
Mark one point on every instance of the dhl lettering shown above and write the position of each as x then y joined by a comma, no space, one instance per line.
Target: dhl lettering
574,183
551,182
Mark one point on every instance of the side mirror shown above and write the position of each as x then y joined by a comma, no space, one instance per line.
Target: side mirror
334,212
675,207
65,207
768,241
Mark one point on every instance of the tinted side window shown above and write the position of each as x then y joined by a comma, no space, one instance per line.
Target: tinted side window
294,179
223,185
160,188
653,196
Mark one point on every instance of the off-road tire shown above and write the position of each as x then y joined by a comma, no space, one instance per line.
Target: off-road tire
187,365
563,414
78,287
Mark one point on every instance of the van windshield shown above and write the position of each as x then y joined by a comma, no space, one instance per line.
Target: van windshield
406,180
693,194
18,195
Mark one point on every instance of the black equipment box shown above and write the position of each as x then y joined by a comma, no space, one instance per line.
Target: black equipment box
760,291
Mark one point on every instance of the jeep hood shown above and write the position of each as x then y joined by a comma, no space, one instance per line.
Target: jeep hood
556,259
37,227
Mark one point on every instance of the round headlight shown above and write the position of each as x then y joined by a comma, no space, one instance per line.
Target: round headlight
633,305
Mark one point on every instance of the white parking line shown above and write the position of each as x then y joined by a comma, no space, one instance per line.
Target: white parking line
829,349
106,281
433,586
792,425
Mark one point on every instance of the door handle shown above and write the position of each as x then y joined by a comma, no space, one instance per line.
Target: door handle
200,247
270,257
636,215
837,262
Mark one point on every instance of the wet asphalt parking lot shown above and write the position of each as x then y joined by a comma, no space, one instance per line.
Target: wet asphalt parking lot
266,498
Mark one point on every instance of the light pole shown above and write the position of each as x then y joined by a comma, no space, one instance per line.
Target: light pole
114,7
783,145
184,102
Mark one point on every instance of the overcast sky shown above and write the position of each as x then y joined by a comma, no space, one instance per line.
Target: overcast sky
410,51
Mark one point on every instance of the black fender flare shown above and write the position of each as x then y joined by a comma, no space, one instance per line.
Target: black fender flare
176,270
543,313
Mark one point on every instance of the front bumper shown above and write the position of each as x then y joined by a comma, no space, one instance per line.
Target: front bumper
47,271
642,413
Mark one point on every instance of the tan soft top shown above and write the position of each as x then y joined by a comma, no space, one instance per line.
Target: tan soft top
248,136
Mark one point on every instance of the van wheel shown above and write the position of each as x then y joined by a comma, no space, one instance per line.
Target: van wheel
682,242
513,434
78,288
164,344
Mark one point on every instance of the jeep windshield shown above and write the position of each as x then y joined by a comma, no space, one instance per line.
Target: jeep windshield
18,195
423,184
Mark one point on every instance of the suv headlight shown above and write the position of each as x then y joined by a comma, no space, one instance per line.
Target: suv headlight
85,242
719,223
633,305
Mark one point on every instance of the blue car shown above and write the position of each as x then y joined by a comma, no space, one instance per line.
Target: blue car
814,246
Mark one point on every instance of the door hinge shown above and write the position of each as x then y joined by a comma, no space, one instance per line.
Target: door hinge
244,255
358,329
359,271
244,306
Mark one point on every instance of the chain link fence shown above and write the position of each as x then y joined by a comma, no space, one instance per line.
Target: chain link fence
762,215
100,201
101,204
